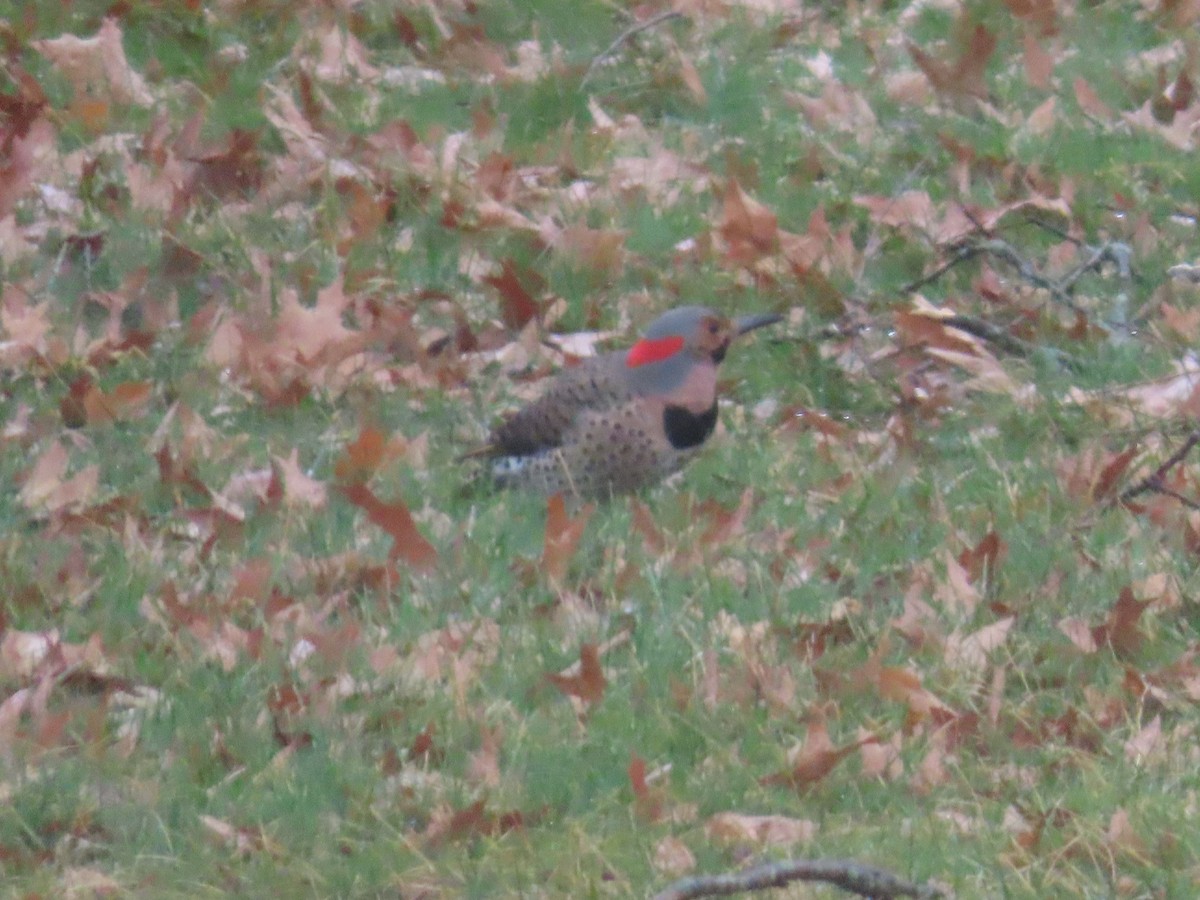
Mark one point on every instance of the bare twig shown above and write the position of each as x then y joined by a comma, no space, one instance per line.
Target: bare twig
992,333
626,35
1115,252
1008,253
849,875
1171,492
964,253
1153,483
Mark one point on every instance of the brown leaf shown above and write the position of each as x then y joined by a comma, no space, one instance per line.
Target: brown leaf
563,533
1120,629
726,523
46,488
587,681
1079,633
298,488
243,841
1089,101
895,683
922,326
1039,65
231,171
483,767
251,582
672,857
817,758
759,831
126,401
600,249
517,304
749,229
408,543
1110,475
965,76
648,802
497,176
1042,14
691,78
984,559
362,458
647,528
971,651
176,471
96,66
911,209
1149,741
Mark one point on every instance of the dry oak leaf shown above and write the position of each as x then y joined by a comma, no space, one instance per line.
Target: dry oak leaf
408,543
971,651
563,533
750,229
447,823
342,57
672,857
648,802
97,66
1147,743
587,683
965,76
461,651
896,683
1120,629
25,327
759,831
124,402
816,758
243,841
1089,101
47,490
298,488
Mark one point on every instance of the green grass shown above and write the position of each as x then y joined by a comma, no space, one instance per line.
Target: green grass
245,704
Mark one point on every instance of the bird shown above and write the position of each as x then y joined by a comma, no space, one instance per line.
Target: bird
623,420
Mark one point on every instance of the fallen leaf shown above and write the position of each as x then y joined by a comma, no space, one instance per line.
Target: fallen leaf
585,680
1146,744
563,533
672,857
816,758
408,543
759,831
97,66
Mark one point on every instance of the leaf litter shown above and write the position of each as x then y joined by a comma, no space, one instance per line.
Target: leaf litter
257,419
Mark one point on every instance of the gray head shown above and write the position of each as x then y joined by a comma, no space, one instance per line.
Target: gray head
684,336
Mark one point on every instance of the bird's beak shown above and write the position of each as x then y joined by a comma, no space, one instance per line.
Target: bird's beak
742,324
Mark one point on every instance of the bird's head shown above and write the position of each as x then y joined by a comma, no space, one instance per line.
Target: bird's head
692,333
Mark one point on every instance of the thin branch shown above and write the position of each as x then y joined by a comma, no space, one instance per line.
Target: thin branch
1171,492
1153,483
625,36
992,333
1009,343
964,253
1026,269
848,874
1115,252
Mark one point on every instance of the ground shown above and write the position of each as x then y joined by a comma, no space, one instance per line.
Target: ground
270,269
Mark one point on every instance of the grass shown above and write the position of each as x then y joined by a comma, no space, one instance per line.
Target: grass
246,702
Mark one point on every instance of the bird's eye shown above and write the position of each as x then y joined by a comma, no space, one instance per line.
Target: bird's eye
713,328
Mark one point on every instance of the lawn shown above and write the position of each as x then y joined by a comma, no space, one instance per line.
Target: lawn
926,600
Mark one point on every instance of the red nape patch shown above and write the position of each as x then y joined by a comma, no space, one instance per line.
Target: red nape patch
653,351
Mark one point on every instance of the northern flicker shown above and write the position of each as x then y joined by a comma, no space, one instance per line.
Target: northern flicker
623,420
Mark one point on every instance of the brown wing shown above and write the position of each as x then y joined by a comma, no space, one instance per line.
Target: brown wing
545,423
